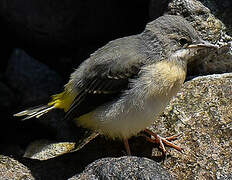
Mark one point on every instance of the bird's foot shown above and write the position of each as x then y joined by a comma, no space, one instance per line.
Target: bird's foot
161,141
126,144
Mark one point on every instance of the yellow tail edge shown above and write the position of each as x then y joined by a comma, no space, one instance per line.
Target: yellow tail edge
62,101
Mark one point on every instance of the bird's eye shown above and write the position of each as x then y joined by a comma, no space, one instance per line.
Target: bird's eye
183,41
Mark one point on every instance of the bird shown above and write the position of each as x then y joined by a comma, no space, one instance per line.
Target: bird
122,88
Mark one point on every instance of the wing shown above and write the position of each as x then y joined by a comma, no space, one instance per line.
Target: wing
105,75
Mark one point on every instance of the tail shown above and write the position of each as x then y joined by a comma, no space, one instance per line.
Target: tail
61,101
35,112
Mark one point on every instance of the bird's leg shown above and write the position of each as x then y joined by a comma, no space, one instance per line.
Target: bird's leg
161,141
126,144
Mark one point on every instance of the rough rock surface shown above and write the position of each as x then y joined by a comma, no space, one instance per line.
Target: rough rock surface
57,28
11,169
44,149
123,168
210,28
202,113
221,9
33,80
7,97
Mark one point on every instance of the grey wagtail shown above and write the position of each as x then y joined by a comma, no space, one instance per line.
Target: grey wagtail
123,86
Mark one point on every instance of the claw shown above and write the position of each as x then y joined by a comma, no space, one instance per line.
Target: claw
174,137
161,141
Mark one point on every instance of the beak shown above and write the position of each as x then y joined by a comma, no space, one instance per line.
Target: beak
202,44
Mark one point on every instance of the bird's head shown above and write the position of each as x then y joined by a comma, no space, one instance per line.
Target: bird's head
178,36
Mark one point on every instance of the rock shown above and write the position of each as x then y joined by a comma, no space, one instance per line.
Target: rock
123,168
8,125
157,8
33,84
216,62
221,9
6,47
201,112
44,149
225,177
38,27
210,29
7,98
12,169
32,81
11,148
200,17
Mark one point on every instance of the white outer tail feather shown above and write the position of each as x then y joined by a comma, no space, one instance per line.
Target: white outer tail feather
34,112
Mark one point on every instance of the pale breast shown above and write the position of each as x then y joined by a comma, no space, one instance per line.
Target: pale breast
139,106
170,76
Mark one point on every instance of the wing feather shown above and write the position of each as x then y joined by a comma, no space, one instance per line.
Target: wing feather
105,75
